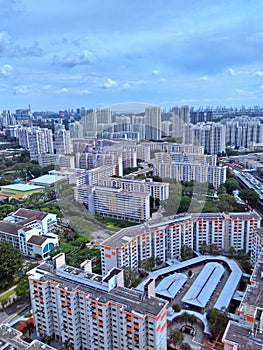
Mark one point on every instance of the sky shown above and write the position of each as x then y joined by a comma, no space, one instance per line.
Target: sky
63,54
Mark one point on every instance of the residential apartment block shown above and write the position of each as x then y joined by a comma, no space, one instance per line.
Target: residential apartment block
30,231
95,312
158,190
212,136
187,167
164,237
114,202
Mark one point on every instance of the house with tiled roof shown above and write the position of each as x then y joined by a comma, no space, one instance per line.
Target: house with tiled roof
30,231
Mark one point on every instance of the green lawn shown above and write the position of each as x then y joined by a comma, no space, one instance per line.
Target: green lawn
7,294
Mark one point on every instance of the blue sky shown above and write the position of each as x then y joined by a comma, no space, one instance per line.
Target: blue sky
57,54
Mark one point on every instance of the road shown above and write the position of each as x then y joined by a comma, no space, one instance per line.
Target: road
13,310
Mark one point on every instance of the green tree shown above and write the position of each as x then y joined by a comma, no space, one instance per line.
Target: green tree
176,307
184,204
176,337
218,321
22,288
249,196
231,185
148,263
11,261
186,252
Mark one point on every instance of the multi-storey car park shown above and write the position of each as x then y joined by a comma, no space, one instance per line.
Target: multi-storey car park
164,238
95,312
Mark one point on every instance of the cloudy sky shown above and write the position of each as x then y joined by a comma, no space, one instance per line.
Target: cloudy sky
57,54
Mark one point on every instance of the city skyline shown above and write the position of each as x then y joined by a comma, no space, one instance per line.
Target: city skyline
96,55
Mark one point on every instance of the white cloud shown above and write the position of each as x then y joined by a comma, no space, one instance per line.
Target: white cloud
4,40
70,60
126,86
85,92
6,70
204,77
108,83
62,91
258,73
261,87
155,72
21,90
231,71
47,87
137,82
239,91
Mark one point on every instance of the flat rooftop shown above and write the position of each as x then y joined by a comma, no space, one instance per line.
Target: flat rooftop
70,278
48,179
253,296
22,187
242,336
10,339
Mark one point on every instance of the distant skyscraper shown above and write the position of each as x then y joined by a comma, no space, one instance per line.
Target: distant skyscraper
103,116
153,128
180,117
62,142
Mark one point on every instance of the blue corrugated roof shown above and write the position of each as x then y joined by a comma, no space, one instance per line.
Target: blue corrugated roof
171,285
203,287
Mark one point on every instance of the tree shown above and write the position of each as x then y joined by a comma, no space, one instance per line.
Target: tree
186,252
184,204
29,328
22,288
249,196
67,345
176,307
11,261
218,321
231,185
176,337
148,263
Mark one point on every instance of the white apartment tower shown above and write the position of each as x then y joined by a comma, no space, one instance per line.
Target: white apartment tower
153,128
180,117
63,142
95,312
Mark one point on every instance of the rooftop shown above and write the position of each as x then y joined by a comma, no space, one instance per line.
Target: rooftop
242,336
48,179
10,339
67,277
22,187
9,227
30,214
203,287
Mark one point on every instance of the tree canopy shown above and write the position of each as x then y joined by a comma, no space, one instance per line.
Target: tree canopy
217,322
11,261
250,196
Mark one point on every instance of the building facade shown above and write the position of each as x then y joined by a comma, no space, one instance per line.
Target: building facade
165,237
95,312
30,231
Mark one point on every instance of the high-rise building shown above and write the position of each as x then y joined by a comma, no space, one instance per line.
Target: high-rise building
164,239
152,121
104,116
95,312
212,136
180,117
62,141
